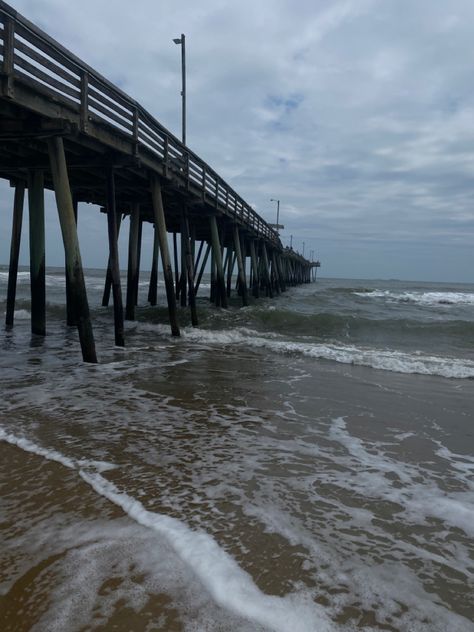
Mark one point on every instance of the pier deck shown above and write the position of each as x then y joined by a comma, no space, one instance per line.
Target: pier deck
66,128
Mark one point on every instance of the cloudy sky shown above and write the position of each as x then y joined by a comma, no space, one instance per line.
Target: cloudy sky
357,114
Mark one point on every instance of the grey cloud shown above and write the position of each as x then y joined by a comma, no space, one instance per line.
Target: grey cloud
357,114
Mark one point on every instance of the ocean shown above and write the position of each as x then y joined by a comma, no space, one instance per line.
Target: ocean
303,464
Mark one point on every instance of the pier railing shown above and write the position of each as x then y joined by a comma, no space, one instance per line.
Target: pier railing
35,60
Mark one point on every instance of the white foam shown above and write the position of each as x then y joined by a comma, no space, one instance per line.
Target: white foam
230,586
29,446
20,276
417,500
22,314
53,455
422,298
383,359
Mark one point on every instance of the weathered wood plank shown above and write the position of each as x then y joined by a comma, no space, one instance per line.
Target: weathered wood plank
59,70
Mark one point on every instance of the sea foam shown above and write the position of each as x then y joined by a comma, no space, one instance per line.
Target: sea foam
385,359
231,587
421,298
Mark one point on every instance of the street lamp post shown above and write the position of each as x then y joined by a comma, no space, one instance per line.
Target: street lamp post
277,226
182,40
303,249
278,208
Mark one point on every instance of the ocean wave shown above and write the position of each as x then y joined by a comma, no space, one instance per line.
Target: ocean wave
22,314
230,586
384,359
325,324
20,276
421,298
51,280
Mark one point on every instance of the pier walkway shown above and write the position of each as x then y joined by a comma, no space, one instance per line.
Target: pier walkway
66,128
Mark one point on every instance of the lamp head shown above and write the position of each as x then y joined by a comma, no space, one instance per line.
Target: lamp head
177,40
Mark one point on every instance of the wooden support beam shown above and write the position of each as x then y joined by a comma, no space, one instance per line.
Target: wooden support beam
213,297
256,276
70,320
37,252
192,236
132,271
240,266
201,271
71,246
176,266
221,295
108,275
274,273
153,289
114,259
160,225
198,258
139,258
266,271
14,252
230,268
281,272
183,275
188,261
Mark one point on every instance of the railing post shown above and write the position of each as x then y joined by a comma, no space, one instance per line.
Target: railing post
166,156
84,102
186,170
8,56
135,131
204,176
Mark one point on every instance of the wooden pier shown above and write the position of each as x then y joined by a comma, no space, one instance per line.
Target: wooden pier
66,128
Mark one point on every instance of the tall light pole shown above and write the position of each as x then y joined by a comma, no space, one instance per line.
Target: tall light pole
182,40
277,226
278,208
303,249
291,242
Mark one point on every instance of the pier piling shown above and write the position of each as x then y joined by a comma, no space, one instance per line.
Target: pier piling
220,289
153,289
160,225
37,252
14,252
240,266
132,276
114,259
71,247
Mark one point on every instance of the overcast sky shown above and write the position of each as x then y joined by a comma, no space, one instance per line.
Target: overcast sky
357,114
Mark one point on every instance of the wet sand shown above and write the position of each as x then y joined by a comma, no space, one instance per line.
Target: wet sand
244,492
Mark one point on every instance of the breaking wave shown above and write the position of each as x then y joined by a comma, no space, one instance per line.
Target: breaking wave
420,298
385,359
